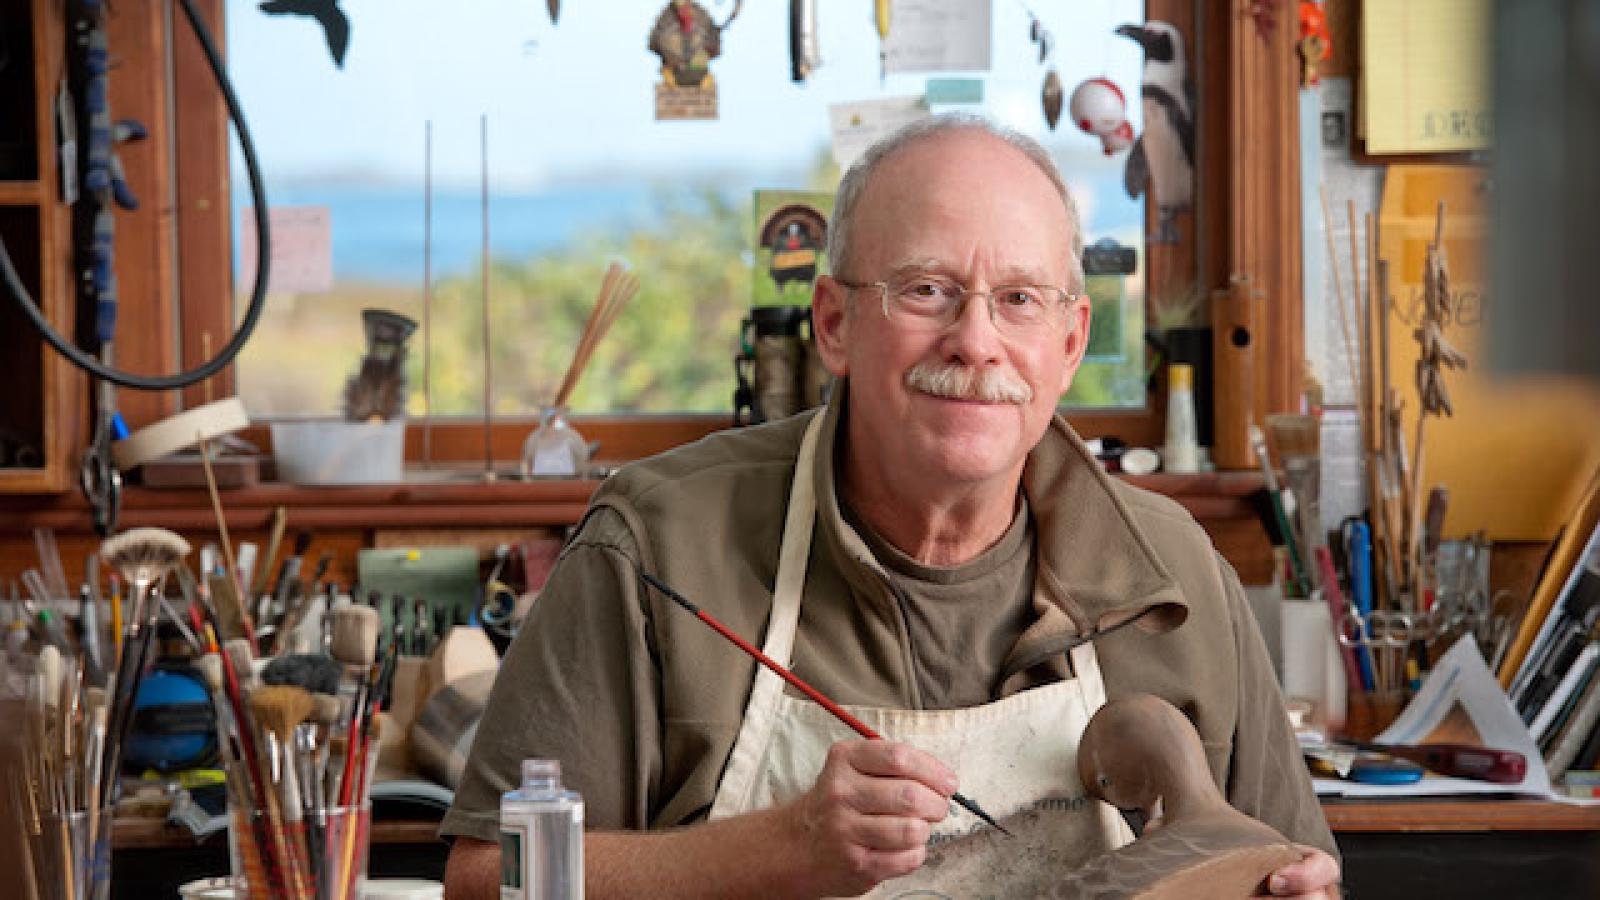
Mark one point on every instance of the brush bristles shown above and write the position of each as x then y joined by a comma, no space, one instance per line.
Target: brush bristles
210,667
49,666
281,708
243,662
355,635
312,671
144,554
328,709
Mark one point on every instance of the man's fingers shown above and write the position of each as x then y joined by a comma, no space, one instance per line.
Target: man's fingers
896,797
1312,875
889,759
888,834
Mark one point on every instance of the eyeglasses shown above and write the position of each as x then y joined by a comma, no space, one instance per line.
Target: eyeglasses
932,303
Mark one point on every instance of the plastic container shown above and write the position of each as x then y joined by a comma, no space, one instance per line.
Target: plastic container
554,449
1182,452
336,452
541,837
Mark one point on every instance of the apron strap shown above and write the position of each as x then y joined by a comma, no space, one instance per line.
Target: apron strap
744,763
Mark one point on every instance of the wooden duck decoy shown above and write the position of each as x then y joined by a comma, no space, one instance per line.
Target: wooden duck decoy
1140,752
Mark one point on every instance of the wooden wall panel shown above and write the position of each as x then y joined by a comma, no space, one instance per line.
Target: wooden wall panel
147,317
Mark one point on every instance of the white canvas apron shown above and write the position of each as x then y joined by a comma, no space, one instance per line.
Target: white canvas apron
1016,757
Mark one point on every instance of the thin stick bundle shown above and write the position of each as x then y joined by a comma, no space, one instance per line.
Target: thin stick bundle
616,289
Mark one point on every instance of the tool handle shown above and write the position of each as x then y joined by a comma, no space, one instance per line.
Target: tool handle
1464,761
835,709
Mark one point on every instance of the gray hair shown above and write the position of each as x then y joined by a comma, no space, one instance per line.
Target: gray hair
854,183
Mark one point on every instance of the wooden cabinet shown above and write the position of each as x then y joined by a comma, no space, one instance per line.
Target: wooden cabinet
41,395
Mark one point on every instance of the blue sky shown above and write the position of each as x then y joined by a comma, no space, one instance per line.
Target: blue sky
575,100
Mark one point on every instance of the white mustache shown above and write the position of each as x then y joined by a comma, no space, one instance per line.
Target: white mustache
957,382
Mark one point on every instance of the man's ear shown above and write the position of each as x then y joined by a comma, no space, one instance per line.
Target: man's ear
830,322
1077,339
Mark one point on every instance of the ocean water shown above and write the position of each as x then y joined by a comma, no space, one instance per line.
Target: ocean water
377,232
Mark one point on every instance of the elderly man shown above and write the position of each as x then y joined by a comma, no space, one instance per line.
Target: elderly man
936,550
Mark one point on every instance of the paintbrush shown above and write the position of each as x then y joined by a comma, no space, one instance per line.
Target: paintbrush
834,709
143,556
278,710
239,668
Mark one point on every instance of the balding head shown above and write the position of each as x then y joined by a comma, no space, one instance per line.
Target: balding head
854,184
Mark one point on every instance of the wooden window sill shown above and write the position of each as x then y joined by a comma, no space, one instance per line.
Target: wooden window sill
467,502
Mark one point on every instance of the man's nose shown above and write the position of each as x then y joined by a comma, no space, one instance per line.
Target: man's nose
973,337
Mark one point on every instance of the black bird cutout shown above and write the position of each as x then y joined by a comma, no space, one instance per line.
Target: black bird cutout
334,23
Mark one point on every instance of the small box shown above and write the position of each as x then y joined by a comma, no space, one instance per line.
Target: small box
336,452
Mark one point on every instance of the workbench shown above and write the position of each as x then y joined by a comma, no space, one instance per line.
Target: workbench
1461,849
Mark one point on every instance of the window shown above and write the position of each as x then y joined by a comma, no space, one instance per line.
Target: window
581,173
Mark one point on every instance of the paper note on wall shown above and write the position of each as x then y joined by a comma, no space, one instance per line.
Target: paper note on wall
938,36
1425,75
857,126
1517,453
302,249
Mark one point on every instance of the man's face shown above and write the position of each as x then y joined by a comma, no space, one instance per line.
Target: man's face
967,206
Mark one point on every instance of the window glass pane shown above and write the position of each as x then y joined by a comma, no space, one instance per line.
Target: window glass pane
581,174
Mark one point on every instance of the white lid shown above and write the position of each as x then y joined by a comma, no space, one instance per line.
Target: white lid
403,889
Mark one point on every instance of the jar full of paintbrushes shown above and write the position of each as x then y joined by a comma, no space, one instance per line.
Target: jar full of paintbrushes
299,742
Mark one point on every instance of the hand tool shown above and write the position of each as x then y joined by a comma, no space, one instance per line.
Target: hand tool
834,709
1456,760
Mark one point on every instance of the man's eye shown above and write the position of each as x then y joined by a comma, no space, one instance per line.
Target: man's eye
1018,297
926,290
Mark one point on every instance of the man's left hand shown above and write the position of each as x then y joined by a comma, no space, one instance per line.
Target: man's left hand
1316,875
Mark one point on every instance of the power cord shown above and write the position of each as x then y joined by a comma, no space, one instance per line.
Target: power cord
258,296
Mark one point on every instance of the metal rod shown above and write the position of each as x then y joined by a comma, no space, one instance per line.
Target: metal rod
427,296
488,363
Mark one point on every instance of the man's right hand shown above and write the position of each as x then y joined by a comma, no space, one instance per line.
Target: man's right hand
868,817
865,820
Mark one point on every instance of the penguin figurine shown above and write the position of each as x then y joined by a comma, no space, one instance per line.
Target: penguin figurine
1163,156
1140,752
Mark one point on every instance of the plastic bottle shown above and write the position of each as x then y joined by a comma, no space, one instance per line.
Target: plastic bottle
541,837
1182,453
554,449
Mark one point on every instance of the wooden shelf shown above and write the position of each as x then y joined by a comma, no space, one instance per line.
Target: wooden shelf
135,833
21,193
1391,816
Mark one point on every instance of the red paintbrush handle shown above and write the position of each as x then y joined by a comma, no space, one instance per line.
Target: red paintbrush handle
1465,761
835,709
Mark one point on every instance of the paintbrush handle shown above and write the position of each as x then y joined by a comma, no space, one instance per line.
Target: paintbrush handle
821,699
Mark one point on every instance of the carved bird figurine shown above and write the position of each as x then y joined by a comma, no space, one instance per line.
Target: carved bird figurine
1140,752
687,39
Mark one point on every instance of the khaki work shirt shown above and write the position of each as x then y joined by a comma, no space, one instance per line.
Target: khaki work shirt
641,702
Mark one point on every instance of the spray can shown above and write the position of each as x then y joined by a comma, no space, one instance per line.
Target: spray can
541,837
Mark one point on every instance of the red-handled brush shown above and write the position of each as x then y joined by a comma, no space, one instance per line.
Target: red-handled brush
837,711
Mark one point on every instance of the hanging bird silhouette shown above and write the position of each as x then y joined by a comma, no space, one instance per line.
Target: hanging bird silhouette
335,26
1163,156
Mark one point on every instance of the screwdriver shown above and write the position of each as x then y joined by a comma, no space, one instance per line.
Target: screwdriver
835,709
1457,760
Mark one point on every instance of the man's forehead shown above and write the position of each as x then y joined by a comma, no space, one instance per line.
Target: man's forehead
1006,272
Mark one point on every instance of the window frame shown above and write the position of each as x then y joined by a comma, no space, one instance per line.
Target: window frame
1247,224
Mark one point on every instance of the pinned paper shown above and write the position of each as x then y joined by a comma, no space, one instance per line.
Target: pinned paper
1425,75
302,249
938,36
857,126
